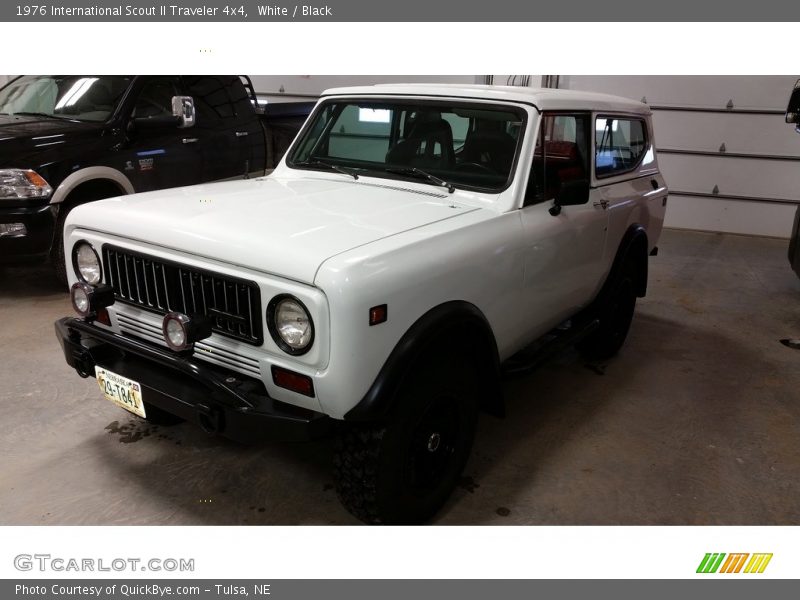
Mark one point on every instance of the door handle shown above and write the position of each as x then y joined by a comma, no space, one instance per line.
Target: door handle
190,140
654,183
601,204
242,133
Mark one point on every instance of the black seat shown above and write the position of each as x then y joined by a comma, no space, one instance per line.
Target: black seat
428,145
489,147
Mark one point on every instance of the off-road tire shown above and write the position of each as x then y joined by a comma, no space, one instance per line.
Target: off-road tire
382,472
615,313
57,257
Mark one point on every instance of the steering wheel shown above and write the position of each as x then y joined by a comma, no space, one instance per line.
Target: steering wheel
468,166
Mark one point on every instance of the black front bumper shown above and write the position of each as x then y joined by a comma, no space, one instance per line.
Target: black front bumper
218,400
39,221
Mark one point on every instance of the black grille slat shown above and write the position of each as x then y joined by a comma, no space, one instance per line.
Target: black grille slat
162,286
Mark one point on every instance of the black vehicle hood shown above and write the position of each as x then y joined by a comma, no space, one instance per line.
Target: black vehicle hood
24,139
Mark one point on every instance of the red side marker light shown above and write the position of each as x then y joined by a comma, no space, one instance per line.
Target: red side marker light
378,315
295,382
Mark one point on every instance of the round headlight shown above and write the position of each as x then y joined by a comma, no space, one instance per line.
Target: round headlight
87,264
290,324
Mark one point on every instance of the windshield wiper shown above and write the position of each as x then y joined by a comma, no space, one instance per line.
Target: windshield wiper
417,172
315,162
36,114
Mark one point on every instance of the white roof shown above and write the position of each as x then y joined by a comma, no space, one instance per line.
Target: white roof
541,98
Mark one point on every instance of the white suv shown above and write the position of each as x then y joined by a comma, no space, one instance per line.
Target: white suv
414,240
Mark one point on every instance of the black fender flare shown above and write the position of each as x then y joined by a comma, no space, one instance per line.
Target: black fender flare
633,246
466,326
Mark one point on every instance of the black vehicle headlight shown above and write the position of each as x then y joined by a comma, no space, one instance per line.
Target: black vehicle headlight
23,183
86,263
290,324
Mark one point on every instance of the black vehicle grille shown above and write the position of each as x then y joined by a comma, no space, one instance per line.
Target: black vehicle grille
234,305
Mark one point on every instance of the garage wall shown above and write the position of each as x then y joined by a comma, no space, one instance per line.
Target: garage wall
760,157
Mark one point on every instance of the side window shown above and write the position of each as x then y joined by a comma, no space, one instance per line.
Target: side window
155,98
211,99
240,98
361,133
619,145
561,155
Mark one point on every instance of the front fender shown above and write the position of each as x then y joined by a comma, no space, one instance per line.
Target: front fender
465,329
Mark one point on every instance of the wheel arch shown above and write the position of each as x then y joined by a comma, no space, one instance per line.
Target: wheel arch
92,175
465,327
633,246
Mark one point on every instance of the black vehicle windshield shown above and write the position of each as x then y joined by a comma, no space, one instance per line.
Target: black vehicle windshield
79,97
459,144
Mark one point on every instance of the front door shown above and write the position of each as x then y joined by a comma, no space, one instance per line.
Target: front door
158,154
564,251
227,126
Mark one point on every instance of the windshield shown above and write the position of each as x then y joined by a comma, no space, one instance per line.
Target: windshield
451,144
83,98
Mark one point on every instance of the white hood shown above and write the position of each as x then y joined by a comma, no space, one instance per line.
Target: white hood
286,227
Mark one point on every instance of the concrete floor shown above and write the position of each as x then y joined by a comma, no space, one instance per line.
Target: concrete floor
696,422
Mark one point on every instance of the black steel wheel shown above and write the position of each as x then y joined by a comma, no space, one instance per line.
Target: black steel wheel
403,470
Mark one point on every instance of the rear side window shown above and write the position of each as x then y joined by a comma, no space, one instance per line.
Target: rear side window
619,145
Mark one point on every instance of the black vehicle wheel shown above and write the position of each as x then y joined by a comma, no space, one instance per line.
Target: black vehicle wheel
403,471
157,416
615,314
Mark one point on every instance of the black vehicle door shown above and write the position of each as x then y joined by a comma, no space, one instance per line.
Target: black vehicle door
157,153
228,128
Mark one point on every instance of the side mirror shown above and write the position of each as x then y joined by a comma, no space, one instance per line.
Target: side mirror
182,116
570,193
793,110
183,108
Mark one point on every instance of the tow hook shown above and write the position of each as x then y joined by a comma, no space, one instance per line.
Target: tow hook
84,364
210,418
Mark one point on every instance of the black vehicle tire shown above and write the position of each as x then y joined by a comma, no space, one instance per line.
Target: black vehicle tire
57,257
402,471
615,314
157,416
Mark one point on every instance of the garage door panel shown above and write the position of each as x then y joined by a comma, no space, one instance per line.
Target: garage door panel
741,177
751,134
762,91
711,214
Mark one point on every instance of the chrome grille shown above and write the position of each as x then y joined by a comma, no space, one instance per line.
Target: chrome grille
207,350
234,305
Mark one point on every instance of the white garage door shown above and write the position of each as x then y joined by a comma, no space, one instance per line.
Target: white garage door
731,162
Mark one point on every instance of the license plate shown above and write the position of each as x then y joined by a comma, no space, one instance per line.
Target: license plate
120,390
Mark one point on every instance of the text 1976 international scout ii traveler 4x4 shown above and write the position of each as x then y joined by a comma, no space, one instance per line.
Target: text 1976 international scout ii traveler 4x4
411,244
